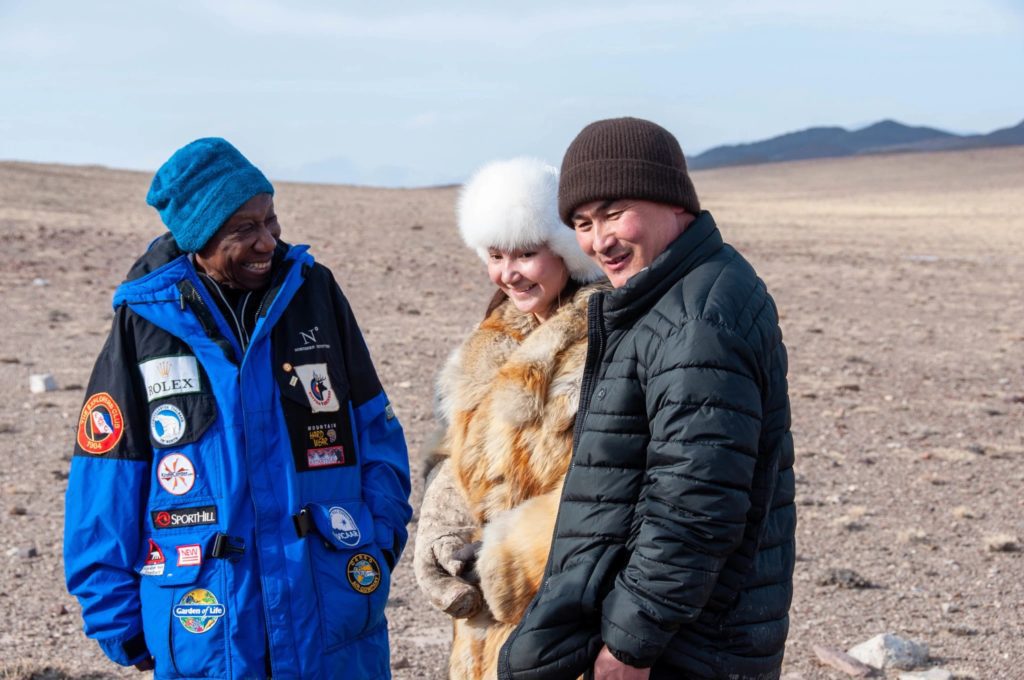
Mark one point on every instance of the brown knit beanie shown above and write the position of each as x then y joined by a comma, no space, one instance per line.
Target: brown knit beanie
624,158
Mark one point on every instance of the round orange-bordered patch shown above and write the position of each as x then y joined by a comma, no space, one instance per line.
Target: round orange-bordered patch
363,573
101,425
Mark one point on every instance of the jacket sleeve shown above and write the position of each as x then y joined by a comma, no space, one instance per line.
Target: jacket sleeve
381,441
703,404
104,506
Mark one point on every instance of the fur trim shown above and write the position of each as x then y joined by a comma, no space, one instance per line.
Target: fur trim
509,396
513,204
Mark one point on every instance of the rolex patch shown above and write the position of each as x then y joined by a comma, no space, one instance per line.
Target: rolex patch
166,376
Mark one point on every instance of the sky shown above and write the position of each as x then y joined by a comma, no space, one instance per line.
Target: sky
414,94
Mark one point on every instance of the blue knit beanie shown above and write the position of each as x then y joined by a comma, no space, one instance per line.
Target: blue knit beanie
201,186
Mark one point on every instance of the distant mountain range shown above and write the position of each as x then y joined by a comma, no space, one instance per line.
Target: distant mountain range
888,136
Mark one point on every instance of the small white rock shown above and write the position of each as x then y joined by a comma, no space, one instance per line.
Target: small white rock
931,674
40,282
890,651
41,382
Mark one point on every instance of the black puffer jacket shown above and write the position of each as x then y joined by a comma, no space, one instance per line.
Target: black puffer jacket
664,547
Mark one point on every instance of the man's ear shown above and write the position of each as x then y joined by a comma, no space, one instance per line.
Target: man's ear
683,218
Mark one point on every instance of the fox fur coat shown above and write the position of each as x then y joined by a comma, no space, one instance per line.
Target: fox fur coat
509,397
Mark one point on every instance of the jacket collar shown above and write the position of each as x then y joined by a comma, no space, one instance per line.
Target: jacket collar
700,240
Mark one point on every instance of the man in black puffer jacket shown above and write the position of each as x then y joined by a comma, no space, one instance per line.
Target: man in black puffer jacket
674,546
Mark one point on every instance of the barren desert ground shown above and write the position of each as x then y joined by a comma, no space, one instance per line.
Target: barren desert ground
900,281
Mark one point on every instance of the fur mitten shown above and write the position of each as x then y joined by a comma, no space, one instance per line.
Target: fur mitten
445,528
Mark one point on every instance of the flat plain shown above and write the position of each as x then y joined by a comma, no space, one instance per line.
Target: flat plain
900,282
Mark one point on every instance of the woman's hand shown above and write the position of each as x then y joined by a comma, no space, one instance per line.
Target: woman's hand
443,557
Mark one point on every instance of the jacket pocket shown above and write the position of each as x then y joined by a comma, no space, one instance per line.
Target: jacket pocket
184,610
350,575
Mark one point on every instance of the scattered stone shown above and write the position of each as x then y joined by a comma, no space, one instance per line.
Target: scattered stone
962,631
849,387
40,282
842,661
1002,543
950,608
845,578
976,448
1015,399
59,475
887,651
7,428
400,663
931,674
23,553
415,227
10,360
60,610
73,387
913,537
58,316
41,382
17,510
964,512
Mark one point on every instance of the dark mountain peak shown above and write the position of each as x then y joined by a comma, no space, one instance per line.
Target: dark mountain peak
834,142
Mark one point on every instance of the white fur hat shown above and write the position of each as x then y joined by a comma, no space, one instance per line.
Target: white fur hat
513,204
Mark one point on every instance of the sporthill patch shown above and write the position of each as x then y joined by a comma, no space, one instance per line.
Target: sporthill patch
176,474
184,517
363,573
344,527
167,424
101,424
316,383
198,610
165,376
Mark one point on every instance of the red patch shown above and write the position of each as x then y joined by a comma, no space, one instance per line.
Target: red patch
326,456
101,425
190,555
156,555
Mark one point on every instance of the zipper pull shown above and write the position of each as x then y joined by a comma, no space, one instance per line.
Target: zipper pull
181,300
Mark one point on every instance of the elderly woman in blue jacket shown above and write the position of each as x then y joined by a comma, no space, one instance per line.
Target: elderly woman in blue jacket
239,488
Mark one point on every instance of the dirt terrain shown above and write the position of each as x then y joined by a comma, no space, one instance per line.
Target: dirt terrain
900,281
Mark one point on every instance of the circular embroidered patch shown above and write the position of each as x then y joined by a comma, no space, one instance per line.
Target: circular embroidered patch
198,610
363,573
176,474
167,424
101,424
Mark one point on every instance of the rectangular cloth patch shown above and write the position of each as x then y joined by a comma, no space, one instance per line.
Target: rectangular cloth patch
166,376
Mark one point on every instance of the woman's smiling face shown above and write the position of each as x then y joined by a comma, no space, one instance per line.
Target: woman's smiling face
531,277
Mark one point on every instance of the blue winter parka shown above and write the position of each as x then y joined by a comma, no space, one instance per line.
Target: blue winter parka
236,512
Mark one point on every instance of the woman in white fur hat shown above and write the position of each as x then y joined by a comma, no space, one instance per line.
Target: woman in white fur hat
507,399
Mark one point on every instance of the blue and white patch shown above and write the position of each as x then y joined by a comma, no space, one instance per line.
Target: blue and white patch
166,376
316,383
344,527
167,424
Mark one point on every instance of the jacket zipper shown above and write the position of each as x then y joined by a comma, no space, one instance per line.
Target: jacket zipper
189,294
595,352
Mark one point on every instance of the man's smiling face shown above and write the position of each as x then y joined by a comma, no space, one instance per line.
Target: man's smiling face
624,236
239,255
